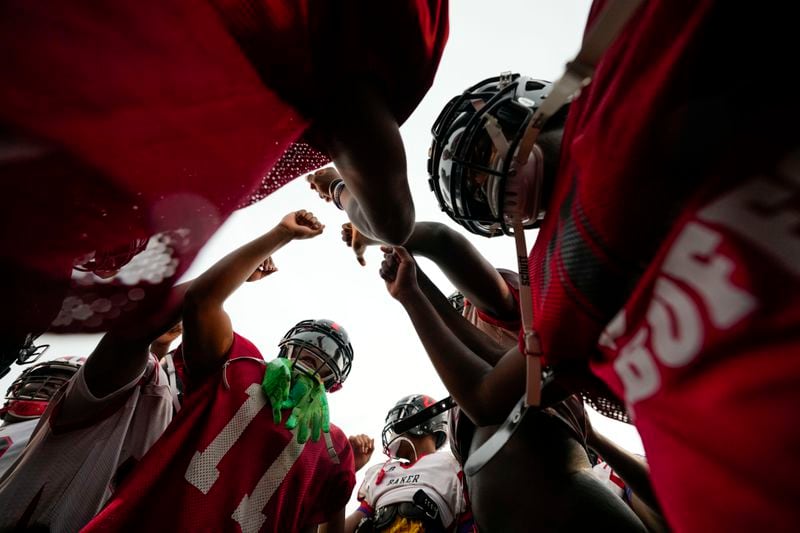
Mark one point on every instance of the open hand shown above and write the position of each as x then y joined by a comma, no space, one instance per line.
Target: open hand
302,224
357,241
321,180
310,409
363,446
399,271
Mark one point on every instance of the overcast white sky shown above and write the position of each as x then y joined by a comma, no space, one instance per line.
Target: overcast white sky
321,279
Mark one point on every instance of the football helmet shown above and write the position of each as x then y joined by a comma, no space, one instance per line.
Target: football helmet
321,349
29,395
457,301
20,351
404,408
472,157
107,263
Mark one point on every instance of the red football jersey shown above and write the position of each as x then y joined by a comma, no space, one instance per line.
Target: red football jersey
669,258
224,465
158,120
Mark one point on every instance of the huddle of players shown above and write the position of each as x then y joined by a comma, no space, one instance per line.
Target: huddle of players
674,285
236,407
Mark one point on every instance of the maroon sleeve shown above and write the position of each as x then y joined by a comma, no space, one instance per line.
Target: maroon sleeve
300,47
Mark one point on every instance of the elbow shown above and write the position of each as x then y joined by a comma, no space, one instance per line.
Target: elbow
194,300
395,232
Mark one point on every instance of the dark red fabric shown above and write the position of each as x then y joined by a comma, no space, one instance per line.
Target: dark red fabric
131,121
672,229
158,497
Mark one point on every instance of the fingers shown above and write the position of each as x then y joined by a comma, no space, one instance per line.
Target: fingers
360,258
388,270
269,266
362,444
307,219
347,233
403,254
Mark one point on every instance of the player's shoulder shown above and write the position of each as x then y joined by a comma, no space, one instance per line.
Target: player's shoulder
243,347
337,435
372,473
442,457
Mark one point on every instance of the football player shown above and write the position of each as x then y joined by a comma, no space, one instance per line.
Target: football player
251,448
667,257
93,432
548,454
418,489
26,401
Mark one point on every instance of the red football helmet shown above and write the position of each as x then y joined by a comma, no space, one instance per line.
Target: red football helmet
32,391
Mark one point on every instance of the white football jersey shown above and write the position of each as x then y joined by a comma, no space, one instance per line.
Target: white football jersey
13,438
71,464
438,474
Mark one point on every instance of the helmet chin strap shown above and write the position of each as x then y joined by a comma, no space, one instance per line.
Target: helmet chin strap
394,447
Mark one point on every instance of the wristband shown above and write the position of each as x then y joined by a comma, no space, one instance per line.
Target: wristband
337,194
332,186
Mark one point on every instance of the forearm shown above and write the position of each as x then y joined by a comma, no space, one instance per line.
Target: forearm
363,138
634,472
370,216
220,281
122,354
485,393
473,338
465,267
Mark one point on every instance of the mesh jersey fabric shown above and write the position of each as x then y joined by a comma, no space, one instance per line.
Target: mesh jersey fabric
74,460
224,464
13,438
668,261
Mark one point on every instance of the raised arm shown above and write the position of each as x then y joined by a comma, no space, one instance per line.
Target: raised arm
458,259
485,392
465,267
121,355
207,329
474,339
365,144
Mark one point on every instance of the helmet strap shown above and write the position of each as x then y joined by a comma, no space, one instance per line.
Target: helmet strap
394,447
578,74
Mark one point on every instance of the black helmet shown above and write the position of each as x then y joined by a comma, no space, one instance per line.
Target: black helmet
475,141
330,345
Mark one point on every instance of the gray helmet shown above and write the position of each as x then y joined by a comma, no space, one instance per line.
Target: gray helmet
411,405
328,342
